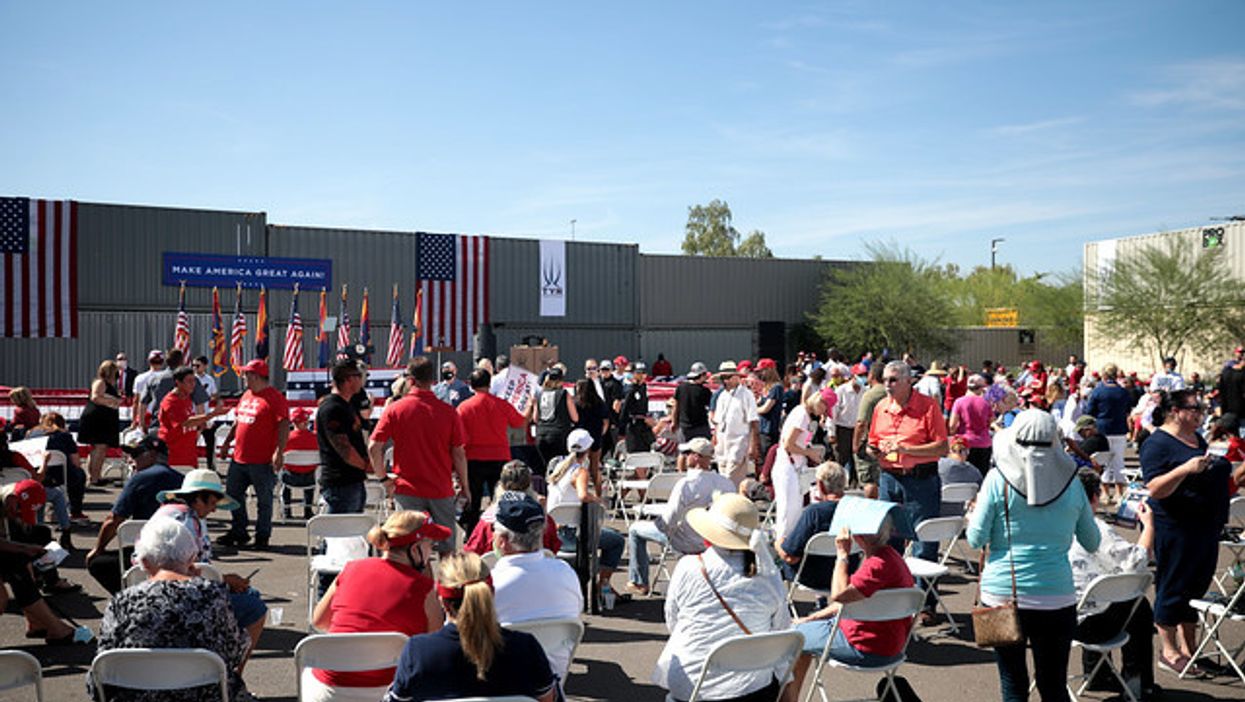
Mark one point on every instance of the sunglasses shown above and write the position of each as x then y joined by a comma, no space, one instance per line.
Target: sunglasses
1193,408
591,369
888,381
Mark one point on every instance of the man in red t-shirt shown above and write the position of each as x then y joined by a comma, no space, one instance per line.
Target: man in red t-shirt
429,450
261,429
485,420
179,426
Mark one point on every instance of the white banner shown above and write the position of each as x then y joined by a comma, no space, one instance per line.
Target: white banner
516,386
552,278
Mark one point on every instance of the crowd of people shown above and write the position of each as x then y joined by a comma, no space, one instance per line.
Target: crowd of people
1045,446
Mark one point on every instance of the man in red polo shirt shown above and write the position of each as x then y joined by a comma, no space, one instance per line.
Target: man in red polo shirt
429,449
262,428
179,426
485,420
907,437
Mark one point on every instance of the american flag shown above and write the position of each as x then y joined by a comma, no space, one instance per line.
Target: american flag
220,359
453,275
343,324
181,332
237,337
261,326
292,359
397,334
39,278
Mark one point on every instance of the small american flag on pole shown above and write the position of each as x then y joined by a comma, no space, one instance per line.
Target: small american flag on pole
39,271
237,337
343,324
453,276
397,334
181,332
292,359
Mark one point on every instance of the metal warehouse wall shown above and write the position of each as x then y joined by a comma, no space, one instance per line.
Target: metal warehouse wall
1102,347
682,347
600,286
372,259
701,291
120,249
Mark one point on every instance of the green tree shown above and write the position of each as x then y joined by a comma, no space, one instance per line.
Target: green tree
1050,302
709,232
1167,299
896,301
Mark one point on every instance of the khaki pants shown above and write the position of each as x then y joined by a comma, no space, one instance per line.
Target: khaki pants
736,471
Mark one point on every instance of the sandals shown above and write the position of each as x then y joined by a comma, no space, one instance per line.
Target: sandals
80,635
62,587
1177,666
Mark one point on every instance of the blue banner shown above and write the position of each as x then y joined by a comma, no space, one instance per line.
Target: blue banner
208,270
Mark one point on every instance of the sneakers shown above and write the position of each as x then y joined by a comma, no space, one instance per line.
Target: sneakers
235,540
261,543
80,519
1177,665
638,589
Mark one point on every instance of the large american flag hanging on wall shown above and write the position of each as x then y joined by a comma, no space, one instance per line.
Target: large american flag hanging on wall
453,277
39,275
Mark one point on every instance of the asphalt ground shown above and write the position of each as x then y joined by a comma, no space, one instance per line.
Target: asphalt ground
614,662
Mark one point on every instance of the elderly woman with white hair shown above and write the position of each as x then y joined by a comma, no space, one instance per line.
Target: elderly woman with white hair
173,608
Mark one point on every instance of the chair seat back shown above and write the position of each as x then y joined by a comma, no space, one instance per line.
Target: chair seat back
939,528
556,636
661,486
885,605
959,492
1122,587
565,515
137,574
752,652
644,459
20,669
159,669
302,458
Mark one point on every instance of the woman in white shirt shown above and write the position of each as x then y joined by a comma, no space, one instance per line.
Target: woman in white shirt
568,484
794,452
739,567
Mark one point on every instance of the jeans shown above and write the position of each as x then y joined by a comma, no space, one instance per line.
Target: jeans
612,545
263,479
921,499
307,481
1049,633
60,506
344,499
638,536
817,632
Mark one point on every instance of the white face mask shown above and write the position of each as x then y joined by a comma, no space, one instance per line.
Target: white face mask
122,365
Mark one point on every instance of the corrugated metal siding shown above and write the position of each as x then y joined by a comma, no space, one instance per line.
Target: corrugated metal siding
682,347
575,344
70,363
600,287
695,291
1101,348
372,259
120,249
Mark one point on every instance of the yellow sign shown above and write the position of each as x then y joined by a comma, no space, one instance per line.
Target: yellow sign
1002,317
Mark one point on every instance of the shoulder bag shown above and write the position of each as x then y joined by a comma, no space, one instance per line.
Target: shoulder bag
998,626
718,595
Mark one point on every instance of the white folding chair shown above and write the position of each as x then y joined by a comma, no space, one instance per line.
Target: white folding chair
127,536
566,516
651,461
155,669
330,526
8,476
821,544
884,605
296,459
57,459
1214,614
376,499
347,653
136,574
776,650
1109,589
660,488
960,494
20,669
559,637
927,573
1236,518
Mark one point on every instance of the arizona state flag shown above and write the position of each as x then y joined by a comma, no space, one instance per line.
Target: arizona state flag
220,355
261,326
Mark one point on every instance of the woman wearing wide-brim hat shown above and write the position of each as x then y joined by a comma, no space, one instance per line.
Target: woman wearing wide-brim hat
201,494
732,588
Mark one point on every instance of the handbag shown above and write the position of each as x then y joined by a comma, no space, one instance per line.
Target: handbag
998,626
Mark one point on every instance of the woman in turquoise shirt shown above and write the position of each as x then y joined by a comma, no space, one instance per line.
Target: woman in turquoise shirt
1031,487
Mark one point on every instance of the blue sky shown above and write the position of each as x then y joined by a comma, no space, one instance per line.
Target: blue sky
826,125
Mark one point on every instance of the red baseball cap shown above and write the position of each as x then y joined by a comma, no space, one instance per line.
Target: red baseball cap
766,363
258,366
31,496
744,365
620,361
860,369
300,414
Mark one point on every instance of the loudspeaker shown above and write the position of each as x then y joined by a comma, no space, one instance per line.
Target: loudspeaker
772,342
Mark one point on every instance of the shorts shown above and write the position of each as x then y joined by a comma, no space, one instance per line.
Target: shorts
1113,470
867,470
442,511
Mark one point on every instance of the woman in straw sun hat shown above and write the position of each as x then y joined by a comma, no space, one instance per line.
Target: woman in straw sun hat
730,589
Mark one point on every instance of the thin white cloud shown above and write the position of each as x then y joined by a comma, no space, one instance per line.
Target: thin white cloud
1031,127
1217,83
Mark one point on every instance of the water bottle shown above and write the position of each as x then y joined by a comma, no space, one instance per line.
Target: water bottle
608,597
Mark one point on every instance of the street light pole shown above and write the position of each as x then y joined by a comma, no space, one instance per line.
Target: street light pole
573,229
994,250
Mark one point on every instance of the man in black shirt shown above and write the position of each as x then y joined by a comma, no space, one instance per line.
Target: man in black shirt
1231,387
637,426
613,391
691,405
343,451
